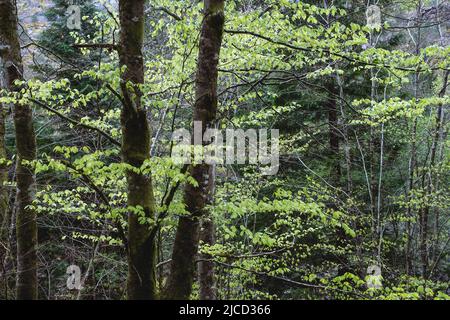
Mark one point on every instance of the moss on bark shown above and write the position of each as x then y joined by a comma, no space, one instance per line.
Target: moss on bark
198,197
26,227
141,281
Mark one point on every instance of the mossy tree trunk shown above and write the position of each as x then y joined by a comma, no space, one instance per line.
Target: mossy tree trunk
206,275
141,282
185,247
26,227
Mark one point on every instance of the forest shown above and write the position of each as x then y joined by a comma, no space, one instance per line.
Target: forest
224,150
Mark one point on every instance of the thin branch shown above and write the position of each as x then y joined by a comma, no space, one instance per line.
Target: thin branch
292,282
166,11
109,46
293,47
102,196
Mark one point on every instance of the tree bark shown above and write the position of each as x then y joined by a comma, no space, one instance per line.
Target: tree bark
141,280
4,208
206,276
335,173
185,248
26,227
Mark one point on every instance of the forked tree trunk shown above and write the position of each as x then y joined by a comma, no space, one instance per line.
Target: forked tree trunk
141,280
26,228
185,248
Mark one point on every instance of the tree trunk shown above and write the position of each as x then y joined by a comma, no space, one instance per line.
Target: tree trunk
335,173
26,228
196,198
4,210
141,280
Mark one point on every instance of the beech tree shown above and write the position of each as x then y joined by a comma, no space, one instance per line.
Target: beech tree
26,227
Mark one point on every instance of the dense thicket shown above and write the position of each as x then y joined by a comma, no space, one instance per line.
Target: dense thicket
362,187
